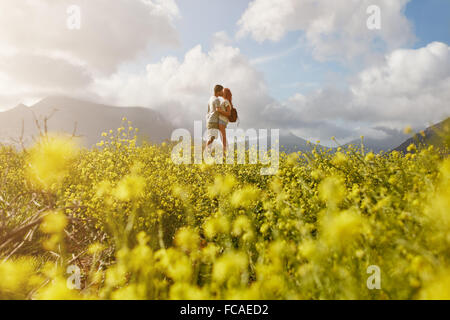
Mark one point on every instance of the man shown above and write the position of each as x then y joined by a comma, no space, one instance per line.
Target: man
212,118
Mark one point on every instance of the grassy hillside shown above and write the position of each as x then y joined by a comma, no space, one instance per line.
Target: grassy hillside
437,135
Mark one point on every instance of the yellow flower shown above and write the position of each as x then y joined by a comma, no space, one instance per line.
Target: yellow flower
222,185
369,157
242,227
53,222
96,248
245,197
185,291
339,159
407,130
308,248
50,159
438,210
341,228
276,185
130,292
116,275
316,174
216,226
412,147
16,275
437,289
332,190
210,252
103,188
131,187
175,264
229,266
187,239
58,290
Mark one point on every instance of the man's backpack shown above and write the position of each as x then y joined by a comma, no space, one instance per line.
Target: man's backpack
233,116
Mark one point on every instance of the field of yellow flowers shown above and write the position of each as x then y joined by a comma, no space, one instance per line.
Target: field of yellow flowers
138,226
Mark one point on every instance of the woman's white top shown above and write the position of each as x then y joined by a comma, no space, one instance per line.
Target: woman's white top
223,106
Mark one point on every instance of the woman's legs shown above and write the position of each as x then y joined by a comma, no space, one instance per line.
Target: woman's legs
223,132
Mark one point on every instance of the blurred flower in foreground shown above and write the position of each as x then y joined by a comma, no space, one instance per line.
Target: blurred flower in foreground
129,188
332,190
407,130
50,159
53,222
342,228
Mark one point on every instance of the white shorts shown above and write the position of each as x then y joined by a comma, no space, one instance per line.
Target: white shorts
212,133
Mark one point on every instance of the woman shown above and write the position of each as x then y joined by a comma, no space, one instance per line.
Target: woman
224,113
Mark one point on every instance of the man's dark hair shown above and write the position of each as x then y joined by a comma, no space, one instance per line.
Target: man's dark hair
217,89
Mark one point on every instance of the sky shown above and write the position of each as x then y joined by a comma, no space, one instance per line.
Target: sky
310,67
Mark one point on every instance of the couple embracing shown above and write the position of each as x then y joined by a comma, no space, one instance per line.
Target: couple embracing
220,112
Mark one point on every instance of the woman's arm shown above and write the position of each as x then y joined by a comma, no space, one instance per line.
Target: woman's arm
227,111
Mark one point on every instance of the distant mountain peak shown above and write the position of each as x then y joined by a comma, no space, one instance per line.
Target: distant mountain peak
21,106
436,135
61,102
19,109
65,114
59,98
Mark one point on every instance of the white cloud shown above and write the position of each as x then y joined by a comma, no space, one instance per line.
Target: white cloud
276,56
111,31
334,29
181,89
411,87
221,38
40,53
44,71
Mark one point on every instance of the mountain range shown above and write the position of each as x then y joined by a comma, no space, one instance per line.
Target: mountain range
292,143
88,120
